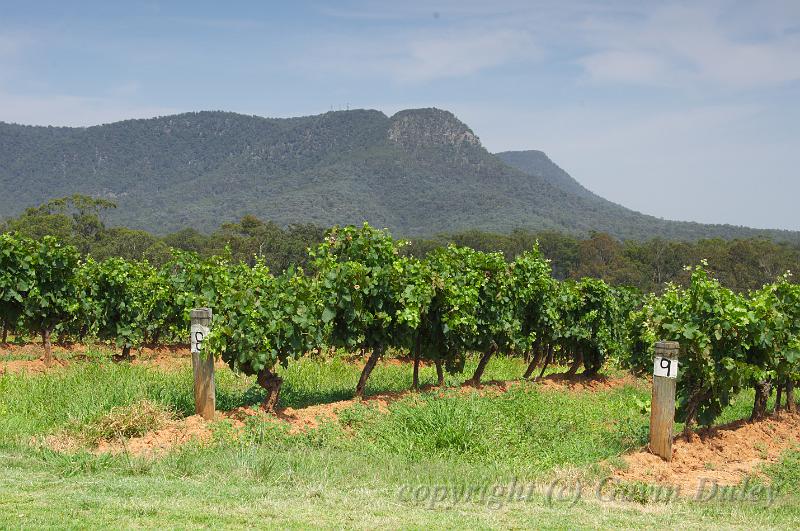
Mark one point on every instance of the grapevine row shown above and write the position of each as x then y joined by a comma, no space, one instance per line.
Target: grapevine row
363,294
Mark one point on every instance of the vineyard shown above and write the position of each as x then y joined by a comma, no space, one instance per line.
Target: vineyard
363,294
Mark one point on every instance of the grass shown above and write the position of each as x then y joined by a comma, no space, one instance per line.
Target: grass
524,431
39,403
121,422
366,470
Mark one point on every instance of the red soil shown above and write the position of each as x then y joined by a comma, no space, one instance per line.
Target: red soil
194,428
580,382
725,454
32,355
174,434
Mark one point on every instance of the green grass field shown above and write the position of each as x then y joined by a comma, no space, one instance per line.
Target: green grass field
405,468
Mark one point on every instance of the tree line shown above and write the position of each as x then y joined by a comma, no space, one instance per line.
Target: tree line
741,264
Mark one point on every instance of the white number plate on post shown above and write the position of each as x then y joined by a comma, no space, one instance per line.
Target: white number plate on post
198,333
665,367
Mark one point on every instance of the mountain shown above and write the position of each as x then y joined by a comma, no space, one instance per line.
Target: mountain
419,172
533,162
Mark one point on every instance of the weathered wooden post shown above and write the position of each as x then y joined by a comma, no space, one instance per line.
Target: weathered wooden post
662,405
205,396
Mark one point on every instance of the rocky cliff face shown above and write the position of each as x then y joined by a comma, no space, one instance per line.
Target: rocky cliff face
418,128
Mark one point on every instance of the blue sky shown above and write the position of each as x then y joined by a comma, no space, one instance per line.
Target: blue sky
684,110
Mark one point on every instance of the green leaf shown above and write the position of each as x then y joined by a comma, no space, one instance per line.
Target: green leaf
327,315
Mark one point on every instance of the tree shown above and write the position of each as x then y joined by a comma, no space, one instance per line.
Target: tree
561,249
75,219
113,296
711,322
16,278
262,321
497,324
188,239
362,279
415,302
772,343
188,281
603,257
251,239
531,292
660,261
119,242
787,295
470,308
52,296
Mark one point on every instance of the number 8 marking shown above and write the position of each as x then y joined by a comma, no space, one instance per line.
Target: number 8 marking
198,339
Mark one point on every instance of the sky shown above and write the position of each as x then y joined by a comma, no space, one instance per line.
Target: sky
683,110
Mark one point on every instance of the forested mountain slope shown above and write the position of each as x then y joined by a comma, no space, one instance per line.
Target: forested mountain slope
419,172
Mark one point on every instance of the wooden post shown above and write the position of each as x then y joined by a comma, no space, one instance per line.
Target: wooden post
205,399
662,405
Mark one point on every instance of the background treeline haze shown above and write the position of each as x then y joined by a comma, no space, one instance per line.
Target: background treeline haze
741,264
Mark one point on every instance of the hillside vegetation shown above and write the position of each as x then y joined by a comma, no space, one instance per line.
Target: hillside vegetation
418,173
741,264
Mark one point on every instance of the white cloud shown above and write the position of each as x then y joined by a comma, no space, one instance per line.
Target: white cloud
460,54
628,66
731,45
420,57
695,44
